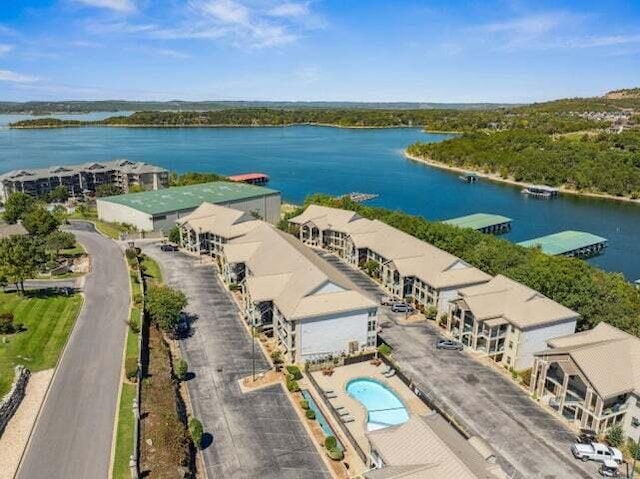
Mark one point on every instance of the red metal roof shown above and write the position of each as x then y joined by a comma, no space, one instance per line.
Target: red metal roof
249,177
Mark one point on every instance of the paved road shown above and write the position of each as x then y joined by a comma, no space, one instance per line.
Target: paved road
72,438
255,435
488,404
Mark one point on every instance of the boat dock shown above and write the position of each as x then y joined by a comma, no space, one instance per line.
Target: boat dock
469,177
541,191
251,178
569,243
483,222
359,197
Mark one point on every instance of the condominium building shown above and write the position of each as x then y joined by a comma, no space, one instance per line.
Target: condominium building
83,179
314,311
428,447
508,321
592,379
405,266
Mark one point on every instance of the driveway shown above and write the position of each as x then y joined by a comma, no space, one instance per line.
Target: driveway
255,435
72,437
529,440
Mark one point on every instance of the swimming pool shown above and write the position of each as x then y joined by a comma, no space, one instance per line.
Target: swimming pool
384,408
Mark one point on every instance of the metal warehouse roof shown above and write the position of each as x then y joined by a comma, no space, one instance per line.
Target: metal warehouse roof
564,242
188,197
478,221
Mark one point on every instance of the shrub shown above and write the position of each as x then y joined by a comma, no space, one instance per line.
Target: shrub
234,287
526,377
431,313
276,357
134,324
131,254
134,277
131,368
330,442
137,298
196,431
615,435
384,349
310,413
295,372
181,369
292,385
336,454
304,404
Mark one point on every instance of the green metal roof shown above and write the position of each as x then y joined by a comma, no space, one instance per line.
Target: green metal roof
179,198
563,242
478,221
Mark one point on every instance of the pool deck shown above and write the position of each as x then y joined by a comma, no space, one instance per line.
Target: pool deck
338,383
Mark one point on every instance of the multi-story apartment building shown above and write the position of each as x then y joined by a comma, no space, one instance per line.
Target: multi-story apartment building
507,321
314,311
592,379
83,179
405,266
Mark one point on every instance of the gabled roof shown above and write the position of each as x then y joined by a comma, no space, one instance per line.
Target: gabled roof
299,282
225,222
433,449
607,357
520,305
327,218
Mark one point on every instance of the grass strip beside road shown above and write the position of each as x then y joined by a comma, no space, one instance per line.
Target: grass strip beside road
48,319
124,434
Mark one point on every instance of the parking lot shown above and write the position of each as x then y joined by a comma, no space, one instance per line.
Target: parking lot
532,443
254,435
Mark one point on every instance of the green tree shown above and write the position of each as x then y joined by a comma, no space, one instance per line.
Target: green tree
182,368
16,206
136,189
19,259
58,195
107,189
59,240
174,235
40,222
164,305
615,435
634,451
196,431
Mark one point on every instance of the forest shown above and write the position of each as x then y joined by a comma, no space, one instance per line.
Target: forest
595,294
602,163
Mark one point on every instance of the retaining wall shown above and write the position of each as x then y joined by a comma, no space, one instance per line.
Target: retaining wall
11,401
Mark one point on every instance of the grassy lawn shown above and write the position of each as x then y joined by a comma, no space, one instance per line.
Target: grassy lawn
48,319
124,433
112,230
77,250
132,338
152,270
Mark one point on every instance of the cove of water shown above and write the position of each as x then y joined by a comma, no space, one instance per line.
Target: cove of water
303,159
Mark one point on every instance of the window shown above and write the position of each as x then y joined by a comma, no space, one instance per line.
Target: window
635,422
510,344
160,217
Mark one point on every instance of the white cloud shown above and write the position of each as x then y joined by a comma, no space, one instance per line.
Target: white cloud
604,41
290,9
5,48
168,52
534,24
14,77
123,6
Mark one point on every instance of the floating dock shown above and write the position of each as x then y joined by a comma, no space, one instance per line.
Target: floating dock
483,222
251,178
569,243
359,197
469,177
541,191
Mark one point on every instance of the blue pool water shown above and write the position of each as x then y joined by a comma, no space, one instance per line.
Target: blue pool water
384,408
322,421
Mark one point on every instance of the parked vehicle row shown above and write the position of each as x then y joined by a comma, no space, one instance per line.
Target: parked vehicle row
610,457
397,305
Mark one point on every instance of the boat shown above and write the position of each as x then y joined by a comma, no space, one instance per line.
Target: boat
541,191
469,177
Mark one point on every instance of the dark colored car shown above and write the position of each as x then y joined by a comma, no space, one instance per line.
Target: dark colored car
587,436
449,344
169,247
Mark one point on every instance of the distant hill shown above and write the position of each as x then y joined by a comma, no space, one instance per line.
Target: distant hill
623,94
45,107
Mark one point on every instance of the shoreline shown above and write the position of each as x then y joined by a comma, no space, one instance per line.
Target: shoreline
160,126
494,177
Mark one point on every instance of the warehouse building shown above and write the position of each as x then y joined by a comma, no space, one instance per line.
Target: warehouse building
160,210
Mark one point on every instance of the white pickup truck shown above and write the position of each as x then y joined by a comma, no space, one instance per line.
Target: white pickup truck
596,452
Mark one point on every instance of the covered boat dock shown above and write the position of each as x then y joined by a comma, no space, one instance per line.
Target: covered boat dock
483,222
569,243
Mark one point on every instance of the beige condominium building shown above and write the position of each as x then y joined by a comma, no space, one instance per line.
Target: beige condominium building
427,447
508,321
592,379
83,179
405,266
312,309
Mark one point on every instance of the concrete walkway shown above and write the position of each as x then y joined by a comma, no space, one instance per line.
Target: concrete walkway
72,437
252,435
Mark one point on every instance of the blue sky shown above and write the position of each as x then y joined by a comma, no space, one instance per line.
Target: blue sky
360,50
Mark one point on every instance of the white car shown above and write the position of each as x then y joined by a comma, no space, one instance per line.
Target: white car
596,452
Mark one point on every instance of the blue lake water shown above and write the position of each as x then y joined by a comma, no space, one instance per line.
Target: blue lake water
304,159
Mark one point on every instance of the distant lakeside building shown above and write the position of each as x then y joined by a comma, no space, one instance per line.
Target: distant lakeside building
80,180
